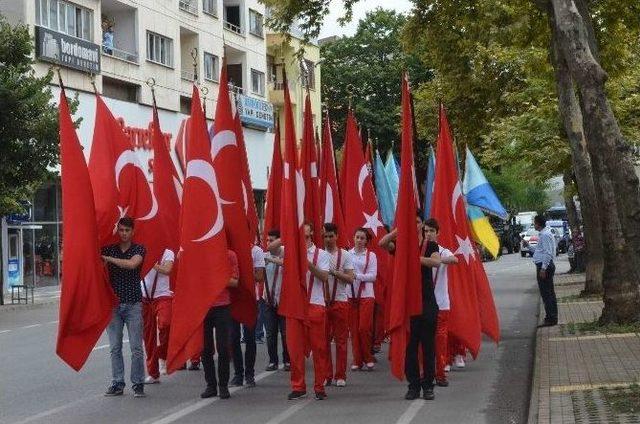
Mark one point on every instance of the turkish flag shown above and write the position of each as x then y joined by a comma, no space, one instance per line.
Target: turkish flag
293,298
406,296
180,147
86,298
449,209
329,191
227,157
247,188
273,205
117,177
309,166
204,269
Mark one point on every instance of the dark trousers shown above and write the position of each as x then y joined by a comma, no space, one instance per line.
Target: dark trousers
275,324
548,293
423,333
218,318
243,368
262,306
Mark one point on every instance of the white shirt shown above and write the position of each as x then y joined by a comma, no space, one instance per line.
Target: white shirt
324,264
366,277
162,285
546,248
274,277
346,264
257,256
441,277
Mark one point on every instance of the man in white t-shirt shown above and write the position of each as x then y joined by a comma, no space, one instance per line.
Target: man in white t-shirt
156,312
442,298
341,276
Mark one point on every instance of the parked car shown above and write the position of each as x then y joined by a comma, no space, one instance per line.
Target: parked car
528,243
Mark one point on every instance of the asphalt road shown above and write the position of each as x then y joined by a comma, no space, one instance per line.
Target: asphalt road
35,386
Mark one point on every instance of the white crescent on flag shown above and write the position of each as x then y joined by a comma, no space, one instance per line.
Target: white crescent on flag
128,157
364,173
328,207
300,194
222,139
198,168
455,196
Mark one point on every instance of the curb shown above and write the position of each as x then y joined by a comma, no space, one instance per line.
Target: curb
534,401
19,307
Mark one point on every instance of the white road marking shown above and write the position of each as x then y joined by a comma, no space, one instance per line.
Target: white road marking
30,326
191,407
53,322
411,412
284,415
5,331
55,410
104,346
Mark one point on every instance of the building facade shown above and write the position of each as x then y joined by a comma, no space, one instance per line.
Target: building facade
121,46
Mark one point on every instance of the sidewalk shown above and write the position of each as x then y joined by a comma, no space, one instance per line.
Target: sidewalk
42,296
582,375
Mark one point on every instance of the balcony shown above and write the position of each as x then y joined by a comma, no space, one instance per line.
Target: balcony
189,6
120,54
188,75
233,17
119,31
189,52
276,92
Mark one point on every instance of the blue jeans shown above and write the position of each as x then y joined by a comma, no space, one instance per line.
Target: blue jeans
129,314
262,305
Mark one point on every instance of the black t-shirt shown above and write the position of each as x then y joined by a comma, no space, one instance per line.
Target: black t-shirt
429,304
125,282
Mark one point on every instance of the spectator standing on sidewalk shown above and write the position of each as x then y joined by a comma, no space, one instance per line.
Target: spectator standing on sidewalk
545,269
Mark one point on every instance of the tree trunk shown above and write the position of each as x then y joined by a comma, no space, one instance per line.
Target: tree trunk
613,173
572,118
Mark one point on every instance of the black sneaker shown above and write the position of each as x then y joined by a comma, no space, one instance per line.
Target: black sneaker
328,382
321,396
251,382
271,367
114,390
442,383
236,381
296,394
138,391
412,394
209,392
286,367
428,394
195,366
224,393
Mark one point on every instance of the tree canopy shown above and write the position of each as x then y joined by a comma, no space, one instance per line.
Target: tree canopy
28,122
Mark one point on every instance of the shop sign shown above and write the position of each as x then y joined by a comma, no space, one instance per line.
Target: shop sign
67,51
255,112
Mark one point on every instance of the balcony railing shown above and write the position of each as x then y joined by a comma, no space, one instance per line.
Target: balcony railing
233,28
189,6
279,85
235,89
188,74
120,54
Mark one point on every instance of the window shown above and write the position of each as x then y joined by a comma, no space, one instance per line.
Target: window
190,6
65,17
121,90
211,63
209,7
185,105
255,23
257,82
159,49
310,73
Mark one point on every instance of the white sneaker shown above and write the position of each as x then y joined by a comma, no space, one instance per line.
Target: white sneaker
370,366
355,367
341,383
163,366
447,368
151,380
459,361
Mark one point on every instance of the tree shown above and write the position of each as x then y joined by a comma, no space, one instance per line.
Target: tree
369,65
28,122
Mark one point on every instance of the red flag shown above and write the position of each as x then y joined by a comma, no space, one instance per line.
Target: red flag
247,188
330,201
86,299
448,208
309,166
293,298
227,157
274,189
489,320
180,147
204,270
405,298
117,177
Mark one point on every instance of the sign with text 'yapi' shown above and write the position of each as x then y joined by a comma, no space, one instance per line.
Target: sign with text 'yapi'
67,51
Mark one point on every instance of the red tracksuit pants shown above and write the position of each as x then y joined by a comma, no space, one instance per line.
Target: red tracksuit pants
379,326
313,334
442,344
361,329
337,330
156,317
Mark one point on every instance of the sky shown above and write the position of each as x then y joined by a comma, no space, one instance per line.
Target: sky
336,10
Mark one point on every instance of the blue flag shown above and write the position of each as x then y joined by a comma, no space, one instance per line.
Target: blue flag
478,191
431,175
385,200
392,177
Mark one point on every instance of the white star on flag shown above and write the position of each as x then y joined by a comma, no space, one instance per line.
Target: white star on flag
464,248
372,222
123,212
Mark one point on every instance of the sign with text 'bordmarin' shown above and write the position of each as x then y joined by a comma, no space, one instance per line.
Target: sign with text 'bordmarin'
255,112
64,50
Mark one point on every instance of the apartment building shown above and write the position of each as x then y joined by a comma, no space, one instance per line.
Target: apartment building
120,45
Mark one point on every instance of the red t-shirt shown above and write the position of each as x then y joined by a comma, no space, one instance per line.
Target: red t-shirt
225,298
